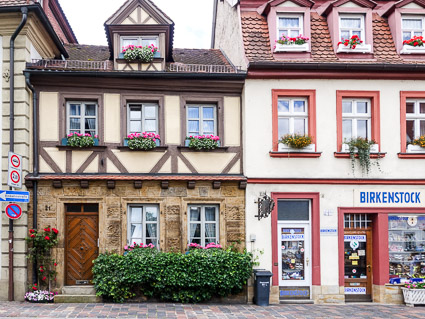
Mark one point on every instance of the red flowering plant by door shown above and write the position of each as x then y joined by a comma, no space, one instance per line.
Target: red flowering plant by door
352,42
40,244
415,42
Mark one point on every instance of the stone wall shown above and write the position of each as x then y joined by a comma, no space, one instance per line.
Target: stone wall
113,211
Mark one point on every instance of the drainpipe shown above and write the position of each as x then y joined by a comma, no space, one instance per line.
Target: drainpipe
34,164
24,11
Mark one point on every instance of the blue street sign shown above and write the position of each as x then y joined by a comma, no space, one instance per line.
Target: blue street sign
14,196
13,211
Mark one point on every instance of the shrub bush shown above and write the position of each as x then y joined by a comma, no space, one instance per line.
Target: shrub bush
193,277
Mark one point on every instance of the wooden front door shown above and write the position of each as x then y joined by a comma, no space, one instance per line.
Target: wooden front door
358,265
81,242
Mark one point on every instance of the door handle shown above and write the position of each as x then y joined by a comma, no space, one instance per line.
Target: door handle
307,260
369,267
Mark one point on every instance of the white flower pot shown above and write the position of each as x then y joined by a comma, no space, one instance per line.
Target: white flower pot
413,296
291,47
374,148
287,148
408,49
363,48
415,149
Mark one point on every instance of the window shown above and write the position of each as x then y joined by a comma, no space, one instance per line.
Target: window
82,118
290,25
357,114
203,224
406,241
412,26
415,119
201,119
143,224
142,117
350,25
292,116
143,41
356,119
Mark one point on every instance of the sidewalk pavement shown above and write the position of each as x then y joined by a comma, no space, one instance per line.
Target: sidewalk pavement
201,311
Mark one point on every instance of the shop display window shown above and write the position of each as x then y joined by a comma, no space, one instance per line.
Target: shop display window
292,245
406,241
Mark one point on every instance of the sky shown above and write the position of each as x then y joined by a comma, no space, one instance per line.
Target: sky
192,20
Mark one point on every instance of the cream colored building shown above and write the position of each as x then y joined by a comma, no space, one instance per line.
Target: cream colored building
336,233
36,40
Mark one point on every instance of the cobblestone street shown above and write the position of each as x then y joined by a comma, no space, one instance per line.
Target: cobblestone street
168,310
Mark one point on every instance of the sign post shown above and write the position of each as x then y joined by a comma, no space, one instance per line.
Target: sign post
14,174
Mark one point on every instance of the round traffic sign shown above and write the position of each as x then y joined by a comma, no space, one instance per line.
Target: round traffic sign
13,211
15,177
15,161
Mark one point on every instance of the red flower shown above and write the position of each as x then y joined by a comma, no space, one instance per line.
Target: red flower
415,43
32,236
47,238
339,43
47,229
32,231
41,269
55,230
354,46
44,278
345,43
34,288
55,264
35,284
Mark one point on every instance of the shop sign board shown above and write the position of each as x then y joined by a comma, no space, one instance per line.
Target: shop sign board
294,292
14,175
389,198
360,238
293,236
328,231
355,290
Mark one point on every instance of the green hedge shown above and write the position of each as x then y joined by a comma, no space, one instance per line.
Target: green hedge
193,277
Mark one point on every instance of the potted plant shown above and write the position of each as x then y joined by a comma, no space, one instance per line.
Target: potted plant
144,54
296,143
417,145
142,141
298,43
202,142
414,293
39,252
361,147
354,44
413,45
80,140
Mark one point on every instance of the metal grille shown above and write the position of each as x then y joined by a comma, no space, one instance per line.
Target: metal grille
202,68
69,64
357,221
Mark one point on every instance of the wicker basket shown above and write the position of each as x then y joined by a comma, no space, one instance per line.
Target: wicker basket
414,296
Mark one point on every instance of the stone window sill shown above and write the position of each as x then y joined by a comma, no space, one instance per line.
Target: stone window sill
347,155
156,149
411,155
295,154
189,149
72,148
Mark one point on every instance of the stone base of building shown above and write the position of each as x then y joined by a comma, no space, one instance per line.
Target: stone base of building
388,294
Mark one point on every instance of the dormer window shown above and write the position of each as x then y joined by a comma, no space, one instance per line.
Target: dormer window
290,25
142,40
352,34
412,26
350,25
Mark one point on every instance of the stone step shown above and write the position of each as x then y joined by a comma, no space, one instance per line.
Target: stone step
295,301
77,299
78,290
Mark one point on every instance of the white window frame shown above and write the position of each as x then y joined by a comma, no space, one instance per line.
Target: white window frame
412,31
139,39
290,15
417,117
200,118
292,115
350,30
143,223
143,118
354,117
202,222
82,116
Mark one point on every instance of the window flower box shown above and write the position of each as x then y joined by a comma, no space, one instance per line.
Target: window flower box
286,148
413,45
156,54
353,45
291,47
142,141
202,142
413,297
415,149
345,148
144,54
287,44
74,140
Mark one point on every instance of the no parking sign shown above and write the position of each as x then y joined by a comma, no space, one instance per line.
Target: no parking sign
13,211
14,176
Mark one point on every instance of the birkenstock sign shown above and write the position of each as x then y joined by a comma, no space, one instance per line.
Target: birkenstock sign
389,198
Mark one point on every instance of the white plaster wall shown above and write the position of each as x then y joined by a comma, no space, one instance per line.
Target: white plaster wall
258,130
228,34
331,197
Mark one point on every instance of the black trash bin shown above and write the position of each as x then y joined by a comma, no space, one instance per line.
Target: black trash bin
262,287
